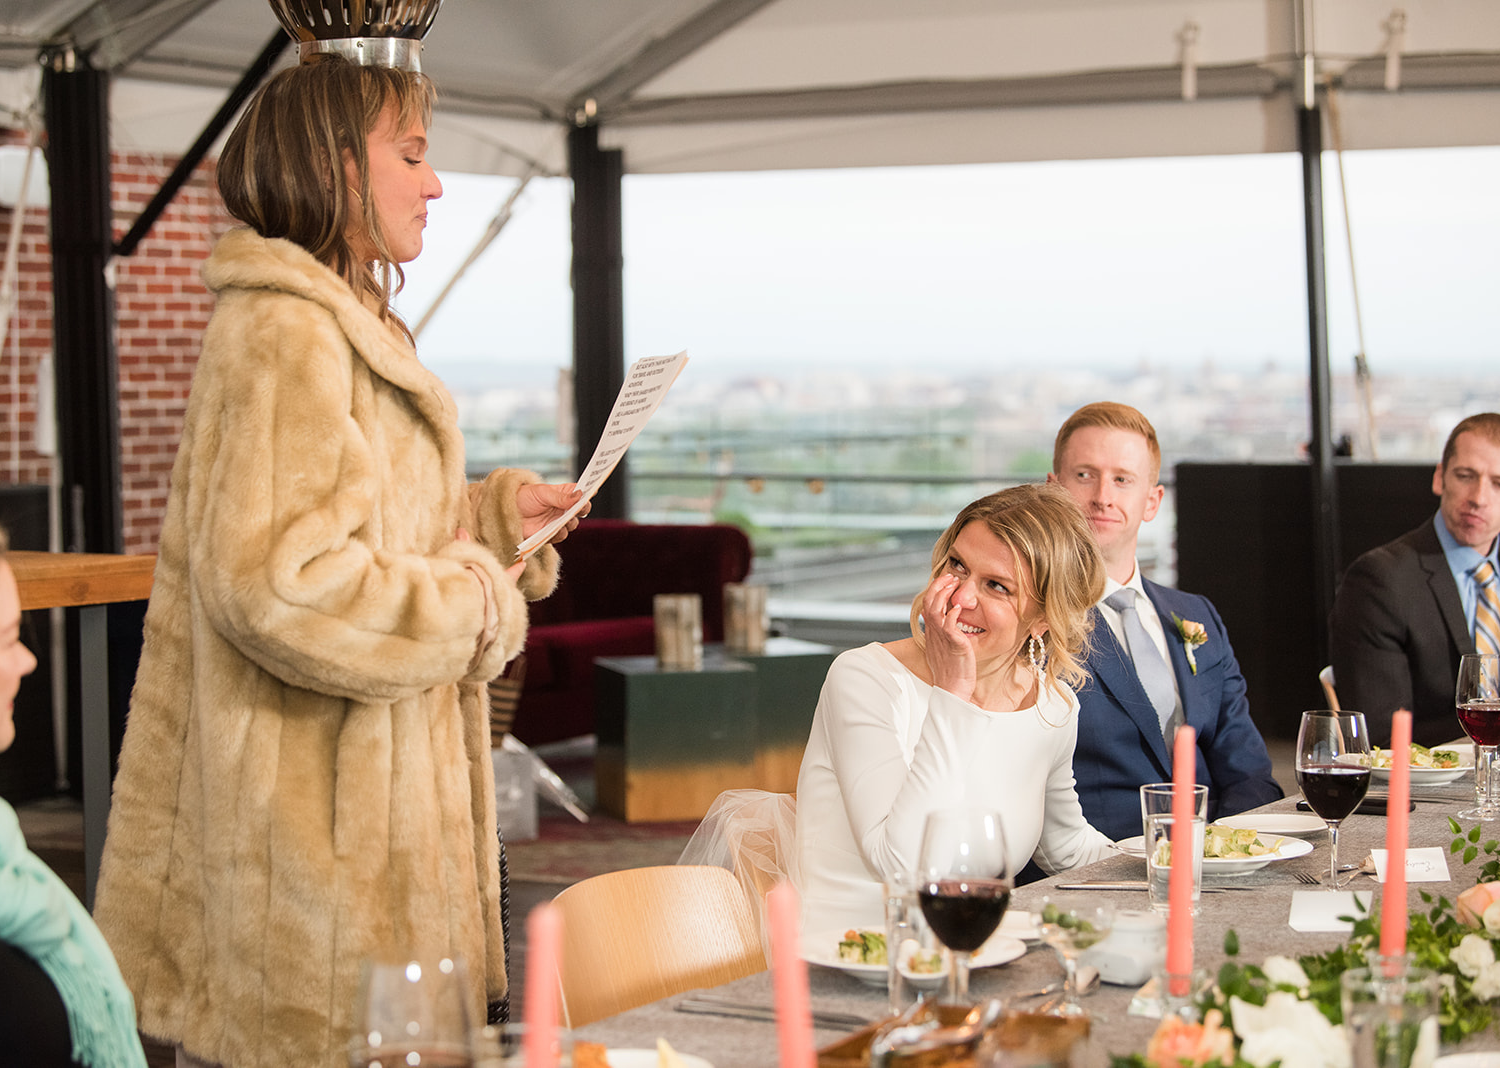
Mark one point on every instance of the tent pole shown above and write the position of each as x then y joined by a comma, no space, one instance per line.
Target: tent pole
75,97
598,306
1325,532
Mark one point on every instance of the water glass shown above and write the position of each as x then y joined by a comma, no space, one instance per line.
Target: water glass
1391,1014
904,923
1156,826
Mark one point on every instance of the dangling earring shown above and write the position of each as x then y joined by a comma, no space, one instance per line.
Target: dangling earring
1036,654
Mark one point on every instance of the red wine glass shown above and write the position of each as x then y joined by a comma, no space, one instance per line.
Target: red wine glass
1477,699
965,884
1333,771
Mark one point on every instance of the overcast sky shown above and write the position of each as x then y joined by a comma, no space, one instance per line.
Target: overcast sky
1083,263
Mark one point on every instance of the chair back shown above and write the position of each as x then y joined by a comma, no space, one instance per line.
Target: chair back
633,937
1325,677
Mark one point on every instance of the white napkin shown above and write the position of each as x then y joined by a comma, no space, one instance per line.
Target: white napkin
1428,864
1319,910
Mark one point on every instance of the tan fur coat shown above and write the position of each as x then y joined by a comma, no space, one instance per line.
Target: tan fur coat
305,779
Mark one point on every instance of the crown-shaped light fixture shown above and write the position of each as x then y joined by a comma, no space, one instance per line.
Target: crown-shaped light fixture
372,33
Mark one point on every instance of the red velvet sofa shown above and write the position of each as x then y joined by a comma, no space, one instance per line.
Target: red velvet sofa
611,570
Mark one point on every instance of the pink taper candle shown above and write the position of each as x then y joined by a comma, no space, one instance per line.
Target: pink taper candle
1180,881
543,952
794,1030
1397,807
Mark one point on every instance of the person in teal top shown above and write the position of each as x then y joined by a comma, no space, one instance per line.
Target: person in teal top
62,1000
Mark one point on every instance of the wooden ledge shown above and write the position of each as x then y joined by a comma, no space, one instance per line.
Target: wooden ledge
72,580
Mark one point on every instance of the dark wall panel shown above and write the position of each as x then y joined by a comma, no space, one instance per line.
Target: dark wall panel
1244,540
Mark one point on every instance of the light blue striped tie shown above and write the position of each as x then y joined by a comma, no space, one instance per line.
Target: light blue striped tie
1486,610
1154,672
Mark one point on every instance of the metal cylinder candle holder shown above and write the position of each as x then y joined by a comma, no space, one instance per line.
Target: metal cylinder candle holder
679,631
745,618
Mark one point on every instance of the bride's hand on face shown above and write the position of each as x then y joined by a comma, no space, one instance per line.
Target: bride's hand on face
949,651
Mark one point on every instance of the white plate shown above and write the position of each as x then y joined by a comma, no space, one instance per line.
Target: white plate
1435,776
1000,949
1018,924
1291,824
1286,848
647,1058
1476,1059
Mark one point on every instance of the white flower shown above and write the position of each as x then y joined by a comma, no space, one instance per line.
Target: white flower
1288,1030
1283,971
1491,918
1449,984
1472,954
1487,982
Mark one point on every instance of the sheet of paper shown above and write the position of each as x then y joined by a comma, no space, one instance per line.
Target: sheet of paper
1428,864
646,383
1319,910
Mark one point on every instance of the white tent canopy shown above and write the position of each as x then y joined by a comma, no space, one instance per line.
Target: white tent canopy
705,85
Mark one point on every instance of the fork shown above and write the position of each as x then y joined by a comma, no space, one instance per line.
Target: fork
1305,878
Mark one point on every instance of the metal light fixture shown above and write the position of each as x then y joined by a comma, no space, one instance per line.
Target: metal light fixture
372,33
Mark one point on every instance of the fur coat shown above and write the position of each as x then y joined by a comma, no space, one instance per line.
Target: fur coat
305,779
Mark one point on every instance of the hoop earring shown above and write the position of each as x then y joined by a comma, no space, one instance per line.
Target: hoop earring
1036,654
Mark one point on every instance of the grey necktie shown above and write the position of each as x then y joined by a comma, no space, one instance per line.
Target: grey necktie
1154,672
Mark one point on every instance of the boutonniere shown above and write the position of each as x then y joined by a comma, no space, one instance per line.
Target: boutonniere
1192,635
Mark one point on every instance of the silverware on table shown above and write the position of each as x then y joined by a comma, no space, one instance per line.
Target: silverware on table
1139,884
710,1005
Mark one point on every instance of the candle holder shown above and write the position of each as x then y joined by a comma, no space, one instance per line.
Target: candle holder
1391,1013
679,631
745,620
1180,993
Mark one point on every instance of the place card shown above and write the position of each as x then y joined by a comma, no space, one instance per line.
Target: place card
1426,865
1319,910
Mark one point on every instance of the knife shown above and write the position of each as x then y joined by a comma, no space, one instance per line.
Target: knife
708,1005
1128,884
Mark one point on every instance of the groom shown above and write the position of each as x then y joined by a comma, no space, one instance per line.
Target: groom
1158,657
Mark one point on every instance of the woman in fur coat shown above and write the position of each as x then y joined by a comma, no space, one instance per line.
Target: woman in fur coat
305,780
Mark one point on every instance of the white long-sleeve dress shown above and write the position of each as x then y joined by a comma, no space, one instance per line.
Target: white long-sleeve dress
886,749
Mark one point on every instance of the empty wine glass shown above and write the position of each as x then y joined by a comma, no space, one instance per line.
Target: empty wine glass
1333,771
1477,700
412,1014
1071,924
965,884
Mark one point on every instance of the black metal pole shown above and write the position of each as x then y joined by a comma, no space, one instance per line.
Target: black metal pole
1320,449
76,99
237,96
598,305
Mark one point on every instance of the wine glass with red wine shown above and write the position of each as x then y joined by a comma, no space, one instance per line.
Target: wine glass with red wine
1478,702
965,884
412,1014
1333,771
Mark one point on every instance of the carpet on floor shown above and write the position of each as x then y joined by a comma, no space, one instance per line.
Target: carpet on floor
567,851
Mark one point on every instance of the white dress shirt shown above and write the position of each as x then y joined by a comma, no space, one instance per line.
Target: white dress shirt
1149,620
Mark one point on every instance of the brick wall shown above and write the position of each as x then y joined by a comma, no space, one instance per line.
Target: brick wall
161,311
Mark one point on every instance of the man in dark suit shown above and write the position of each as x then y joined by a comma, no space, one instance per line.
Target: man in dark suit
1159,657
1406,611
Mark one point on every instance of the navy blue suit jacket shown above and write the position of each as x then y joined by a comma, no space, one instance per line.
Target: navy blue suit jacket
1120,744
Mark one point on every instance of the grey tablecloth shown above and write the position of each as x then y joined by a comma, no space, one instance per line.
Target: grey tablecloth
1259,918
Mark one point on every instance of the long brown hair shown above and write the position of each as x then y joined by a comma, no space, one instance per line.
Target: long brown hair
1057,556
282,168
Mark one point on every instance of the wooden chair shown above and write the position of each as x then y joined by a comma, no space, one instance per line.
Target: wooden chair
632,937
1326,678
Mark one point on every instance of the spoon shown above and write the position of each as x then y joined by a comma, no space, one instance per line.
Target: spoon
1088,982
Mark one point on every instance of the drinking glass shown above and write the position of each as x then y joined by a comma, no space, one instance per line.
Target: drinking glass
1157,821
412,1013
965,884
1071,924
1477,699
1333,772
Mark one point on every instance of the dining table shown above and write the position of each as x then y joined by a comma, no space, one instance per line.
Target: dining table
1256,905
